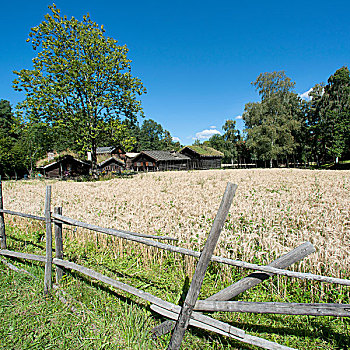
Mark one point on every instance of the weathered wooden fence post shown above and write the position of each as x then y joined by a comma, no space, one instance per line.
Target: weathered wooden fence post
3,244
197,281
48,264
59,243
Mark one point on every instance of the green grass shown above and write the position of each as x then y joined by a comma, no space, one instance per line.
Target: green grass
106,318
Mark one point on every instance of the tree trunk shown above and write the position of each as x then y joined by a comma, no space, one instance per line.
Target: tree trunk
93,157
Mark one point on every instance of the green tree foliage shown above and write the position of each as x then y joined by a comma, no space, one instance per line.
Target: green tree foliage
152,136
81,80
329,117
312,123
231,137
229,143
118,133
12,159
272,124
337,94
38,138
217,142
243,152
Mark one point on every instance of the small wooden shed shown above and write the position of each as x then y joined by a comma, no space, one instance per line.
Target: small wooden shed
160,160
66,166
203,157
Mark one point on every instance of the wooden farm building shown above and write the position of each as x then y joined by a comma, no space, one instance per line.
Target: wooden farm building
203,157
129,156
104,153
160,160
111,164
66,166
115,160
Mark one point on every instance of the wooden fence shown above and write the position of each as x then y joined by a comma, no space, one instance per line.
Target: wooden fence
190,312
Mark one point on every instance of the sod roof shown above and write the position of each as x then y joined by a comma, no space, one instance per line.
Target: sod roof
204,151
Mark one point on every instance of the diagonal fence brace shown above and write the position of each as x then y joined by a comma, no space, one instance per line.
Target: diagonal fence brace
204,260
248,282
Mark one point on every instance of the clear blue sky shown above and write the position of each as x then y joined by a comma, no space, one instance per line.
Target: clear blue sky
197,58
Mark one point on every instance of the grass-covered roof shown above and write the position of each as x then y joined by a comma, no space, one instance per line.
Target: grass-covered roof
57,156
205,151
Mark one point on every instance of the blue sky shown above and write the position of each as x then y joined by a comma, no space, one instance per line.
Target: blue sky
197,58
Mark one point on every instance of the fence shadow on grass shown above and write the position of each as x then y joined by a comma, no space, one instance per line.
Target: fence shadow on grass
319,329
26,242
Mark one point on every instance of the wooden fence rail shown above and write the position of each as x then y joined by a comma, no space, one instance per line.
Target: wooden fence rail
187,314
109,231
19,255
138,237
338,310
268,268
23,215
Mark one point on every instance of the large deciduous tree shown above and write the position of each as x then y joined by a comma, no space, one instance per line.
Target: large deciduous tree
271,124
333,107
81,79
328,118
337,94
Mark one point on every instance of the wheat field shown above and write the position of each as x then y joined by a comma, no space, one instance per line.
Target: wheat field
273,210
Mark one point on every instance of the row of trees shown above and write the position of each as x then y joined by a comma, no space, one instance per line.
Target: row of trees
22,142
282,127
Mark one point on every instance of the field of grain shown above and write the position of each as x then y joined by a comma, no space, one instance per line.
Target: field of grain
273,211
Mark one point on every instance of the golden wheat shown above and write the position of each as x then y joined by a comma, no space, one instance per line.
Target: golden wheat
273,211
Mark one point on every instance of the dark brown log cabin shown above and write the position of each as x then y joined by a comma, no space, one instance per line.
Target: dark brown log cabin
67,166
109,165
160,161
